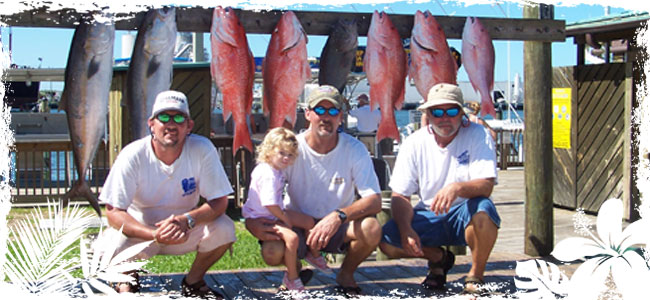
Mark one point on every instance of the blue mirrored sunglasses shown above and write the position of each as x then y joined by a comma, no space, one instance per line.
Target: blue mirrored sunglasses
332,111
439,112
164,118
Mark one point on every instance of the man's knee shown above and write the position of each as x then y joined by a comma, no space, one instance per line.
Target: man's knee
481,222
273,252
370,231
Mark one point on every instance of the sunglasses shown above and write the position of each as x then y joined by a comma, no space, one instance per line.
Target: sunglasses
332,111
439,112
164,118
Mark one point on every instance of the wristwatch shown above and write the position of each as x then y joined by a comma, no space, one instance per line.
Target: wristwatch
342,215
190,221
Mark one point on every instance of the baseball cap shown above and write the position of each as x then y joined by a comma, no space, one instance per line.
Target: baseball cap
325,92
443,93
170,100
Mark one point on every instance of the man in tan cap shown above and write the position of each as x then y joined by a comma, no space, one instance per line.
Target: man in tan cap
153,190
451,164
329,167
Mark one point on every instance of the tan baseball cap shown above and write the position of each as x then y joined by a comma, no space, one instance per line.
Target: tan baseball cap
443,93
325,92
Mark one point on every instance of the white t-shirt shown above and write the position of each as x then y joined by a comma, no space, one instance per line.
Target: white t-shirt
322,183
422,166
151,191
367,120
267,185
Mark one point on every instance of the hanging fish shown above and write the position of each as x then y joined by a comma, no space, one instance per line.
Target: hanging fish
385,66
150,70
478,59
285,70
88,76
431,59
233,70
338,56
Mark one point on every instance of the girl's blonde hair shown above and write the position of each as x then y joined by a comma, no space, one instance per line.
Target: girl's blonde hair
278,138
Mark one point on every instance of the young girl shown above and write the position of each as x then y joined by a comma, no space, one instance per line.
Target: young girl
278,151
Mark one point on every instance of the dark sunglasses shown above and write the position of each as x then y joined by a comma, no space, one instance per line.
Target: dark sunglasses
439,112
332,111
164,118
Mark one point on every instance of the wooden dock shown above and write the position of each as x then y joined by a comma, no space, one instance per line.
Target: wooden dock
398,278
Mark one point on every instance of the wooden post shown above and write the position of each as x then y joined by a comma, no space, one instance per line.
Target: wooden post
538,140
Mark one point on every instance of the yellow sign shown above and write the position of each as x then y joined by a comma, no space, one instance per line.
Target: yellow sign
562,118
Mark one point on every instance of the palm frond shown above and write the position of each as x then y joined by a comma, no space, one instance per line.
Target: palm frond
36,257
106,265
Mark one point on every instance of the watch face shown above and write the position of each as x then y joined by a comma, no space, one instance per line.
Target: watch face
342,215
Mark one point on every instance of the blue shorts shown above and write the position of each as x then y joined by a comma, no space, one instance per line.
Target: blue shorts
445,229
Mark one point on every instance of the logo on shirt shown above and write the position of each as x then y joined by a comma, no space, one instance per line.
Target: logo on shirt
338,180
189,186
463,158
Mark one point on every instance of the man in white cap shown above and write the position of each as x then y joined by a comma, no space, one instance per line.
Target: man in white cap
329,168
451,164
153,189
367,119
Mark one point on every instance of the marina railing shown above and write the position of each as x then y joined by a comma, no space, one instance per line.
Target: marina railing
510,148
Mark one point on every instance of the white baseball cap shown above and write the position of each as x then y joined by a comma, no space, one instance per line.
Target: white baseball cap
170,100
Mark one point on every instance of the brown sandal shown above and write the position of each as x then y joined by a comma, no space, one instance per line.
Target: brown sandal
474,286
437,281
199,290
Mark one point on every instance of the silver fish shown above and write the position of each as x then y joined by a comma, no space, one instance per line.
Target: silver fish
88,77
150,71
338,55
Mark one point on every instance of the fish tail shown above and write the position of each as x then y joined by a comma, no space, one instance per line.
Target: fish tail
242,138
387,130
487,106
81,189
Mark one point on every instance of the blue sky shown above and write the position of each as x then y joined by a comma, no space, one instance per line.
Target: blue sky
30,44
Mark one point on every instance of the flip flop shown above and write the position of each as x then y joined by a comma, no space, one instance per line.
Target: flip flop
475,286
348,291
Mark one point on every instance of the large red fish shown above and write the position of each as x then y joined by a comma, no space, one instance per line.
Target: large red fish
385,66
285,70
478,59
233,70
431,60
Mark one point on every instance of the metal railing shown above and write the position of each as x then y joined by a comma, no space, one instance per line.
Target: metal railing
510,148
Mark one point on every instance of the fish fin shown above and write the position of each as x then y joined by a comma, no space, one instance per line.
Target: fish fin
242,138
387,129
487,106
81,189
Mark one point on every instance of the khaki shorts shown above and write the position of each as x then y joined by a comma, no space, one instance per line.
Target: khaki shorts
202,238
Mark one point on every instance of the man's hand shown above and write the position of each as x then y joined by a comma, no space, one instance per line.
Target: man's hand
323,231
263,229
411,243
171,231
444,198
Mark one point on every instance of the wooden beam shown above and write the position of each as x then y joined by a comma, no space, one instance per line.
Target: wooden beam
538,143
197,19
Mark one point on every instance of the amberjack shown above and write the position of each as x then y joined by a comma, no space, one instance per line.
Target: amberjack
150,70
478,59
338,55
88,77
385,66
431,60
233,70
285,70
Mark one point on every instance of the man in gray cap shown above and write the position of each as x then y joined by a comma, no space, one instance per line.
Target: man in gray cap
153,189
329,168
451,164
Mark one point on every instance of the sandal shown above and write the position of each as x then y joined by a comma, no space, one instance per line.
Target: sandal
437,281
199,290
348,291
474,286
132,286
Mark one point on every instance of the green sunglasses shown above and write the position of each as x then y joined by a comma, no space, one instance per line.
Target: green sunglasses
164,118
